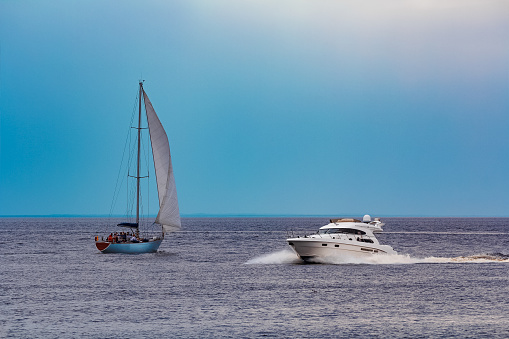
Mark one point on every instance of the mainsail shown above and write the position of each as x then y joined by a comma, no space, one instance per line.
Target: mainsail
168,216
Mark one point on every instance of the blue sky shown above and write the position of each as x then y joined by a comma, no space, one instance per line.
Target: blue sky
397,107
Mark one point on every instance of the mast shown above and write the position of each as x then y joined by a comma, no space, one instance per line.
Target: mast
138,166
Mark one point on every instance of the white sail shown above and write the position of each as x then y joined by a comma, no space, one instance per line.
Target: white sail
168,216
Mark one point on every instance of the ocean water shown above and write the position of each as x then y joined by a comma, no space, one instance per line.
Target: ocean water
237,278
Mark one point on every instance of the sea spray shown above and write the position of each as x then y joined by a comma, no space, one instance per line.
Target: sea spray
280,257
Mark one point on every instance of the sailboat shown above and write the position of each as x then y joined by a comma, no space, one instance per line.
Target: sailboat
168,216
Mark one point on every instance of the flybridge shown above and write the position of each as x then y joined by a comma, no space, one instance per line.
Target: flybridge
333,221
365,219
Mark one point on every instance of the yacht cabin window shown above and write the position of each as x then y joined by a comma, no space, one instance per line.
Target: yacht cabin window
341,230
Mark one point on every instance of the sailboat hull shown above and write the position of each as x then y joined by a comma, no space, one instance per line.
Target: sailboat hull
130,248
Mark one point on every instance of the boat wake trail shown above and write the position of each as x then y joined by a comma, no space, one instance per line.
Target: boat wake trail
289,257
407,259
479,258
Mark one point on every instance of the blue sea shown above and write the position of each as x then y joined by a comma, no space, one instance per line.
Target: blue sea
238,278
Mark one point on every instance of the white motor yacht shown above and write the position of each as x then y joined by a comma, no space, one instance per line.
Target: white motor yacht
347,237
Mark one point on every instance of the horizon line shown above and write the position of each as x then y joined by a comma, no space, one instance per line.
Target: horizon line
251,215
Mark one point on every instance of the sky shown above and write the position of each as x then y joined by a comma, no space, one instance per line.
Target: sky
280,107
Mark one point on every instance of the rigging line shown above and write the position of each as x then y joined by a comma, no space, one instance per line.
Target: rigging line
114,202
117,186
115,194
146,155
146,145
132,141
131,201
132,147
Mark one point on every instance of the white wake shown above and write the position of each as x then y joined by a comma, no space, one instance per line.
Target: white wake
280,257
289,257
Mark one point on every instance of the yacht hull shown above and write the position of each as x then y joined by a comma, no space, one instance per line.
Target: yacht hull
310,249
130,248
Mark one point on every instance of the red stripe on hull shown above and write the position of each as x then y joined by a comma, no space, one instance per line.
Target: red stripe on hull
101,246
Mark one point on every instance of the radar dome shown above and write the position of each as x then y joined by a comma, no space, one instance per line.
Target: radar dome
366,218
